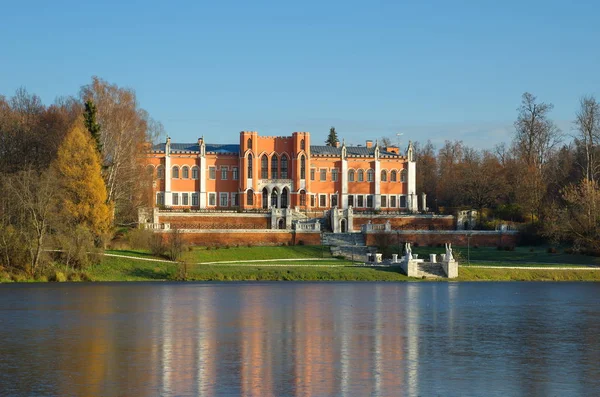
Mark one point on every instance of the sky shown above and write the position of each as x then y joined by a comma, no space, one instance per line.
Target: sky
446,70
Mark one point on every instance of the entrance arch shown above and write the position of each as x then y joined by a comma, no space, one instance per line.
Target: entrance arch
274,199
281,224
343,226
265,198
284,198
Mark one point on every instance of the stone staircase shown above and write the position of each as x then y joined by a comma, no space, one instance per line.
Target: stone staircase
349,245
431,270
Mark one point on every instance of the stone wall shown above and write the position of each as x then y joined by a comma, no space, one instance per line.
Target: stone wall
249,237
434,238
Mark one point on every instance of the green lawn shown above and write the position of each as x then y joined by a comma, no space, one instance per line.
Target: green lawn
201,254
524,274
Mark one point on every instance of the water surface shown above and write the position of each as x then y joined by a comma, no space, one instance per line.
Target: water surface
300,339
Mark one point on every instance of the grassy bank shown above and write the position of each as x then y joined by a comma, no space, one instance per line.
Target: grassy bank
525,274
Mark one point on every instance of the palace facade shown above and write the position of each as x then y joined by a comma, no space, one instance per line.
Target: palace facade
282,172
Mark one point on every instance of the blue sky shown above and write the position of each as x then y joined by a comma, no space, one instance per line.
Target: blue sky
431,70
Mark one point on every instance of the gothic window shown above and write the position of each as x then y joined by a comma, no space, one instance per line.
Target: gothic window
185,172
302,198
403,176
194,172
351,176
302,167
361,175
370,176
250,197
393,176
264,167
275,167
302,144
284,168
249,143
383,176
250,166
175,173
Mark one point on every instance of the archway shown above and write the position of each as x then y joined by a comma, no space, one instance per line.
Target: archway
284,198
265,198
343,226
281,224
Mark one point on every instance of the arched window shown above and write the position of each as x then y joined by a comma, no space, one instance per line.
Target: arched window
284,168
250,197
249,166
265,198
284,197
383,176
150,171
302,198
302,144
302,167
370,176
249,143
194,172
274,198
160,172
275,167
403,176
175,172
393,176
361,175
264,167
350,175
185,172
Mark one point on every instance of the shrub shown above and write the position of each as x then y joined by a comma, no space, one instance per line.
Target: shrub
57,276
140,238
175,245
551,250
77,247
301,242
157,245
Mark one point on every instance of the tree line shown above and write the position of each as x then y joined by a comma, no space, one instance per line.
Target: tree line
69,173
545,179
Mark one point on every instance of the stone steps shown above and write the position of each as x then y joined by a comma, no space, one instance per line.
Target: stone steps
349,245
431,270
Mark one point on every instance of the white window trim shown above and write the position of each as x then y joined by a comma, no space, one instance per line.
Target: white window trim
387,202
221,195
336,173
319,200
209,168
323,179
212,194
362,198
226,169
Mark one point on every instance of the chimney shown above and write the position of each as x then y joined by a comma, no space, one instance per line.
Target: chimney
369,144
337,144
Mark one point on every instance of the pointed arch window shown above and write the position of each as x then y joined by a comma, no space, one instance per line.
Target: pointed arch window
284,167
383,176
393,176
275,167
194,172
361,175
302,147
264,167
185,172
249,143
250,197
250,166
175,173
350,175
370,176
302,167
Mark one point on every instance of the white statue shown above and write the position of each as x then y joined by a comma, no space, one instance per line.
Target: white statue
449,257
408,252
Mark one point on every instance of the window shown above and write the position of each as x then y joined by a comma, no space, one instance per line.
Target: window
160,198
249,166
284,167
212,173
323,175
393,201
393,176
249,143
370,176
160,171
235,173
223,200
224,173
275,167
334,175
384,201
185,199
361,175
350,200
383,176
403,176
322,200
235,200
302,198
250,197
175,199
212,199
194,199
175,172
312,174
351,176
369,201
302,166
334,200
185,172
360,201
194,172
402,201
264,167
302,144
312,200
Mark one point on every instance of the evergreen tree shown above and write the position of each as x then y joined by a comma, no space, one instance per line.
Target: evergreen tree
83,192
332,139
89,120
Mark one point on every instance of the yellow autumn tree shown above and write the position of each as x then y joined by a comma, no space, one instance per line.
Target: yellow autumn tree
83,192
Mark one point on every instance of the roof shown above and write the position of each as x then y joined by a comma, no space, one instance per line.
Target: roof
235,149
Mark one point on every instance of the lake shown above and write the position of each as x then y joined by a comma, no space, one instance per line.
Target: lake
300,339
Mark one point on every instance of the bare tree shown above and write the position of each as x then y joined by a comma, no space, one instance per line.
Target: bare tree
588,127
536,135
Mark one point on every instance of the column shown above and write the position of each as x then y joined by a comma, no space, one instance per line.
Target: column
168,174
